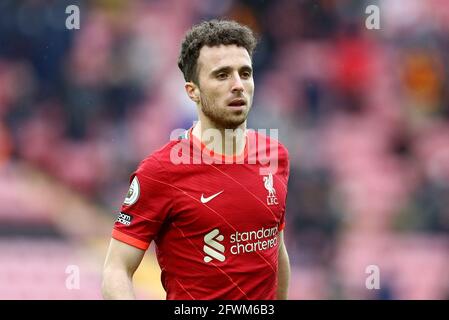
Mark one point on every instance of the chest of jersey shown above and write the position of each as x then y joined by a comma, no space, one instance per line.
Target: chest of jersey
230,197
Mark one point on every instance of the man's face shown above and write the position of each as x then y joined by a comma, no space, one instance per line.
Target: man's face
226,84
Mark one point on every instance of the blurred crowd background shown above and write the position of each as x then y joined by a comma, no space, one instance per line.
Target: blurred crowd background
364,113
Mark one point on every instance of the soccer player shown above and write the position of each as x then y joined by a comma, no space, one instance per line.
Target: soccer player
217,223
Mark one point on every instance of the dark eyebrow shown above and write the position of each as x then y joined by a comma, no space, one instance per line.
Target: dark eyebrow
222,69
246,68
228,69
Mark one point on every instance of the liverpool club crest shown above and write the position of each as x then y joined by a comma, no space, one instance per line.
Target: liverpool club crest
268,183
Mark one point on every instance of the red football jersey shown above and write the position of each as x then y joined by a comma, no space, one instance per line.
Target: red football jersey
215,225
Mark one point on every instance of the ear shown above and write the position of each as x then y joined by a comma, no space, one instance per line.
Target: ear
192,91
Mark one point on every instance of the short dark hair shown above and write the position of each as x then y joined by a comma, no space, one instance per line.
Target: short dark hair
212,33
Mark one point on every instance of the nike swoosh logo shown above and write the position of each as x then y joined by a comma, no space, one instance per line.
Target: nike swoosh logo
206,200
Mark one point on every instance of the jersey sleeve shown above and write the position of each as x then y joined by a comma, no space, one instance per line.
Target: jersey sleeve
286,173
146,205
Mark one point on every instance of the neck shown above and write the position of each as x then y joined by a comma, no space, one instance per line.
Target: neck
222,141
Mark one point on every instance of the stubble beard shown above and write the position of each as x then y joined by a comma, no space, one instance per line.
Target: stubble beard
222,118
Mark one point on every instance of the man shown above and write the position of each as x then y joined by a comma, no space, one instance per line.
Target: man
217,225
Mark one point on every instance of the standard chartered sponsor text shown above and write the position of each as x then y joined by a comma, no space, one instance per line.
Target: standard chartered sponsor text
262,239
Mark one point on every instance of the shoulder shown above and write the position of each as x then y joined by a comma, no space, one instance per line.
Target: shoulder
166,158
269,150
269,141
156,162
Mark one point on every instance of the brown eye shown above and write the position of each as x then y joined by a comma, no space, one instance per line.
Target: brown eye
246,74
222,76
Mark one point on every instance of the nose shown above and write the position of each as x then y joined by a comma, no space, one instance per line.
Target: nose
237,85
